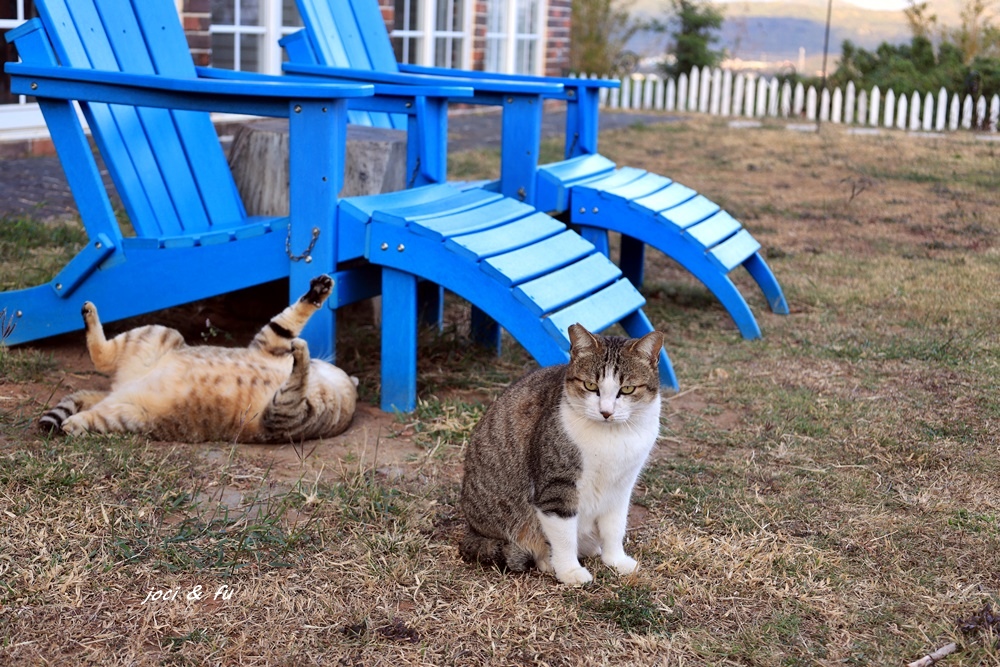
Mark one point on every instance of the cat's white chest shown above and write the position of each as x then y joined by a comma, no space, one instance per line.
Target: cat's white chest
612,455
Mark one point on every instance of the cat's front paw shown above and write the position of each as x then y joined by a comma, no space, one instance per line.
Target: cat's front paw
622,564
89,312
577,576
73,425
319,288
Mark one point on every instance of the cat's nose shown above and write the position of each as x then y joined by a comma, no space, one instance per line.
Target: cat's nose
606,415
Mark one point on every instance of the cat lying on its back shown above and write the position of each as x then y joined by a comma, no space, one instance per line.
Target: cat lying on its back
550,467
268,392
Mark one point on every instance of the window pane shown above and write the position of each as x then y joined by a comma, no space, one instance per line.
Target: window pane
9,12
290,15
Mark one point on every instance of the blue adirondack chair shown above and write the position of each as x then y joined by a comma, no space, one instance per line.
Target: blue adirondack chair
347,40
127,63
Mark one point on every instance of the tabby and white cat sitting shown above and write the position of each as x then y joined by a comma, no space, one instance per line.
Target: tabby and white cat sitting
550,468
268,392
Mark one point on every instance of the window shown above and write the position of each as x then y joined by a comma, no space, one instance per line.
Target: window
12,14
245,33
513,37
432,32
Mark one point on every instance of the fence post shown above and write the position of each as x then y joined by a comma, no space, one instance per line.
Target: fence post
786,99
890,108
706,84
800,99
682,90
638,83
811,103
914,111
981,111
824,105
772,97
761,107
656,91
671,95
942,110
694,83
863,107
750,96
837,106
626,92
849,102
738,92
615,96
994,112
602,96
876,99
928,112
727,92
954,113
901,106
715,92
967,112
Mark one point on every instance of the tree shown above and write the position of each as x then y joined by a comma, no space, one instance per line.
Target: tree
696,23
598,34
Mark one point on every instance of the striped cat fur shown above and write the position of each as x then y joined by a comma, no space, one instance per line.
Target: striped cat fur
268,392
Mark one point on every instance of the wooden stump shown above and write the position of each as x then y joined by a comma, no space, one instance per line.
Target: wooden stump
376,162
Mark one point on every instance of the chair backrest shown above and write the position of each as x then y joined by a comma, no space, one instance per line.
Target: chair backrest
351,34
168,166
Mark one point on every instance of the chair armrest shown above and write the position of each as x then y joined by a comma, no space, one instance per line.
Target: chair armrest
389,97
244,97
566,81
479,86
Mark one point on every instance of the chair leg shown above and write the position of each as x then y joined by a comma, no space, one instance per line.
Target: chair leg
632,259
761,272
399,341
430,304
485,331
597,236
637,325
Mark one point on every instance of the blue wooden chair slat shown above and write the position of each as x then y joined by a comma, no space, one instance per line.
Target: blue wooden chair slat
714,230
505,238
597,311
537,259
648,184
558,188
692,211
461,202
567,285
734,251
209,169
485,217
668,197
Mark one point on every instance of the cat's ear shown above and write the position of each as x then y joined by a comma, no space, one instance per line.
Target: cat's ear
648,346
582,342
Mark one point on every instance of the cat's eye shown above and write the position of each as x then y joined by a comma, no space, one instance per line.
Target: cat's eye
627,389
590,386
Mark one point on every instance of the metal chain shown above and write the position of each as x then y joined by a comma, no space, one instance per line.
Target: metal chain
307,255
413,176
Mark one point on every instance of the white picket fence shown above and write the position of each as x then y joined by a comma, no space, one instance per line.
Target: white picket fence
726,93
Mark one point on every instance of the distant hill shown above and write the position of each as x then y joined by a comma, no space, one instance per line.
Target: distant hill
774,31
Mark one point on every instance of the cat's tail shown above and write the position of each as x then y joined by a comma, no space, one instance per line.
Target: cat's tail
477,548
52,420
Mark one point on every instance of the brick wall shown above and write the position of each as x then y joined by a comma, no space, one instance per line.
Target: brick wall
197,16
557,39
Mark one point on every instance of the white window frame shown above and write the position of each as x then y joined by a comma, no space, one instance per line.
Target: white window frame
426,18
271,29
510,37
20,120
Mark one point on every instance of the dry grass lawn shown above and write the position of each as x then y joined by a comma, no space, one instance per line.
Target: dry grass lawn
829,494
